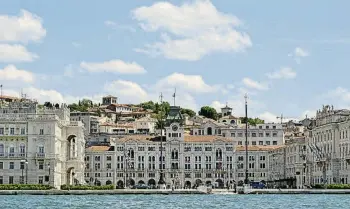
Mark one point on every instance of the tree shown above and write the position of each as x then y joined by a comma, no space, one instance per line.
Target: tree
189,112
156,107
252,121
48,104
208,112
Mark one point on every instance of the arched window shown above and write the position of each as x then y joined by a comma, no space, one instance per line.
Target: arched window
219,154
11,151
174,154
2,150
153,159
22,150
131,153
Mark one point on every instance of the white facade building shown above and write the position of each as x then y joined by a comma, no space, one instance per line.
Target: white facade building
40,146
188,161
89,119
258,163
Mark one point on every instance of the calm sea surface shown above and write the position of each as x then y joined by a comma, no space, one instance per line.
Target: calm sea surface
176,201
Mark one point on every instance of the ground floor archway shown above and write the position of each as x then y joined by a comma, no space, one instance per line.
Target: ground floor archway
109,182
131,182
188,185
152,182
141,182
198,182
220,183
120,184
208,182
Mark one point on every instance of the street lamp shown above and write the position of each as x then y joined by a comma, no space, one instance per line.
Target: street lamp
26,162
48,166
22,168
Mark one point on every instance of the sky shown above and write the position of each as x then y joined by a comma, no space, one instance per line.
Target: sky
289,57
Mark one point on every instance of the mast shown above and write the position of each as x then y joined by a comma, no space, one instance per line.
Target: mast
246,181
161,177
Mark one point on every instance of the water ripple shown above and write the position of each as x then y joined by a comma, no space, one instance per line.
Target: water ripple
175,201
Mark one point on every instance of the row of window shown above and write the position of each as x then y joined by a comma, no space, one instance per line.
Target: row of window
13,131
11,179
251,158
21,165
260,143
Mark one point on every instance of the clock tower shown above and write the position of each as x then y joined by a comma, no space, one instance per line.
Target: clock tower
174,125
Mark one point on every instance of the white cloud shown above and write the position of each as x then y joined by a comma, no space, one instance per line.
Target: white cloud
299,52
269,117
192,83
113,66
115,26
250,83
11,73
190,31
15,53
309,114
340,94
128,91
23,28
283,73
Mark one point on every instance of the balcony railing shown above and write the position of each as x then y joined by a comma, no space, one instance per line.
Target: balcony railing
40,155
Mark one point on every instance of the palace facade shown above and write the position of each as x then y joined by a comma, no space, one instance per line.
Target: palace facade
40,145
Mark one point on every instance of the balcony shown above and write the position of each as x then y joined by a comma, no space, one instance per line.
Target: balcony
40,155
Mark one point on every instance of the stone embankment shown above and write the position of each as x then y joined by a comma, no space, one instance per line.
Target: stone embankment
299,191
99,192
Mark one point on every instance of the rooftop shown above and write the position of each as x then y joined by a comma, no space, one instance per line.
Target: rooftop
258,148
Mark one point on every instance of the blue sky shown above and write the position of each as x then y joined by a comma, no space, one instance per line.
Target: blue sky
291,57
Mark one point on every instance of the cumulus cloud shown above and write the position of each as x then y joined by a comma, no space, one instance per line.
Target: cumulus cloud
190,31
113,66
283,73
11,73
191,83
15,53
250,83
23,28
129,91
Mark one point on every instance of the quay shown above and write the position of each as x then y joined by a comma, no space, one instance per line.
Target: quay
101,192
298,191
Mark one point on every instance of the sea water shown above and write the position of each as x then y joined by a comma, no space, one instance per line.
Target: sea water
175,201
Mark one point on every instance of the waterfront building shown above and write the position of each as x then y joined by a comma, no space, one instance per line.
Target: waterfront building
258,163
329,146
288,164
40,145
185,160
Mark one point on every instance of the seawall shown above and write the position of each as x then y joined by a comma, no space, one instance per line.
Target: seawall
299,191
99,192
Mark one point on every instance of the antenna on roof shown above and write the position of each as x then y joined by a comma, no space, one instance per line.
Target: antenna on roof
2,99
174,95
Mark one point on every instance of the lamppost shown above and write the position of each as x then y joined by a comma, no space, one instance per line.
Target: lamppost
48,166
246,180
22,168
26,162
161,176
